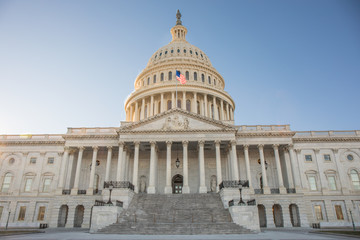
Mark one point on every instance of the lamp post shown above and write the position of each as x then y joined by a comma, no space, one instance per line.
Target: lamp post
177,163
7,222
241,202
110,189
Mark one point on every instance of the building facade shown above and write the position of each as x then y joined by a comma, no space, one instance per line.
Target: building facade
180,139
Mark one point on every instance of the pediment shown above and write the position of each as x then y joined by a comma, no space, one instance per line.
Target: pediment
176,120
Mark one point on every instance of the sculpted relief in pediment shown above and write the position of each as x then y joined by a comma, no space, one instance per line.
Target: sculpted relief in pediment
176,123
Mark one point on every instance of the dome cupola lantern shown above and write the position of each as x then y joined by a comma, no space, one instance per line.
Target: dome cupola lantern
179,31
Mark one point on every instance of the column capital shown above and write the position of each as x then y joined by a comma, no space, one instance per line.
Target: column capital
168,143
137,143
185,143
261,146
290,146
246,146
153,143
109,148
81,148
275,146
297,150
233,142
217,143
316,150
201,143
95,148
335,150
66,148
121,143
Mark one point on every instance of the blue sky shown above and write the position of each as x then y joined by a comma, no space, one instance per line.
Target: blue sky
73,63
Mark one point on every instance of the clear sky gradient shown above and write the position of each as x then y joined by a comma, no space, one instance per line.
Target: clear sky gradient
73,63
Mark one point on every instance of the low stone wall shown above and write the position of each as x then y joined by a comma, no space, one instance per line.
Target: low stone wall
103,216
246,216
121,194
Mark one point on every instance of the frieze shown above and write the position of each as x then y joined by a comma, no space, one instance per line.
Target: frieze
176,123
337,139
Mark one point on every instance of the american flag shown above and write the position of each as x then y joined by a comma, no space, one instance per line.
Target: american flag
180,77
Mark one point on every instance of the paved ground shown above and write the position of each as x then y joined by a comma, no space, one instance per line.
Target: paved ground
76,234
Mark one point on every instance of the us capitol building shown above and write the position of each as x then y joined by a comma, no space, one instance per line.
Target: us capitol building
181,139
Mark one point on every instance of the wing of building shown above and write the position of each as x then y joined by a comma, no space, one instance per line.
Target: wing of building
180,139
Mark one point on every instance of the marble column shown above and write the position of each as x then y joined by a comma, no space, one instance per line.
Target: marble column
173,100
168,188
142,109
136,112
75,189
195,103
92,171
227,112
186,188
64,164
263,169
294,168
342,173
151,106
216,114
136,166
108,163
206,106
69,170
218,164
282,189
162,103
247,165
120,162
202,187
234,161
184,101
151,188
222,109
123,165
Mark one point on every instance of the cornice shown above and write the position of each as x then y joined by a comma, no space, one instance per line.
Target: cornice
326,139
265,134
24,142
68,137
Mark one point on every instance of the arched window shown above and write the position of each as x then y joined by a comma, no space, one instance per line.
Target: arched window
170,76
154,78
355,179
195,76
187,75
6,183
169,104
179,103
209,80
162,77
215,82
202,77
198,107
188,105
148,82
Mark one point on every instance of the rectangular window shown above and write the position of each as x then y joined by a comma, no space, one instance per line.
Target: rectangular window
339,213
318,212
41,214
32,160
332,183
28,184
308,158
327,158
312,183
22,213
47,183
51,160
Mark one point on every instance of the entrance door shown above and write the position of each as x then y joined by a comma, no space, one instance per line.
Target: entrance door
177,184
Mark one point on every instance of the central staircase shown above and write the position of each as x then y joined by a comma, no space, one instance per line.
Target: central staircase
175,214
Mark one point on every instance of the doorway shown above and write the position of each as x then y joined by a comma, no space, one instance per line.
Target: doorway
177,184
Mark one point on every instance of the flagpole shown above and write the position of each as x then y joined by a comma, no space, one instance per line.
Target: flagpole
176,92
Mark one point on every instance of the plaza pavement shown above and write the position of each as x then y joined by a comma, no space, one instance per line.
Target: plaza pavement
77,234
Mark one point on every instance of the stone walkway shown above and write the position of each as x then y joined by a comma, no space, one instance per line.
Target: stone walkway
69,234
